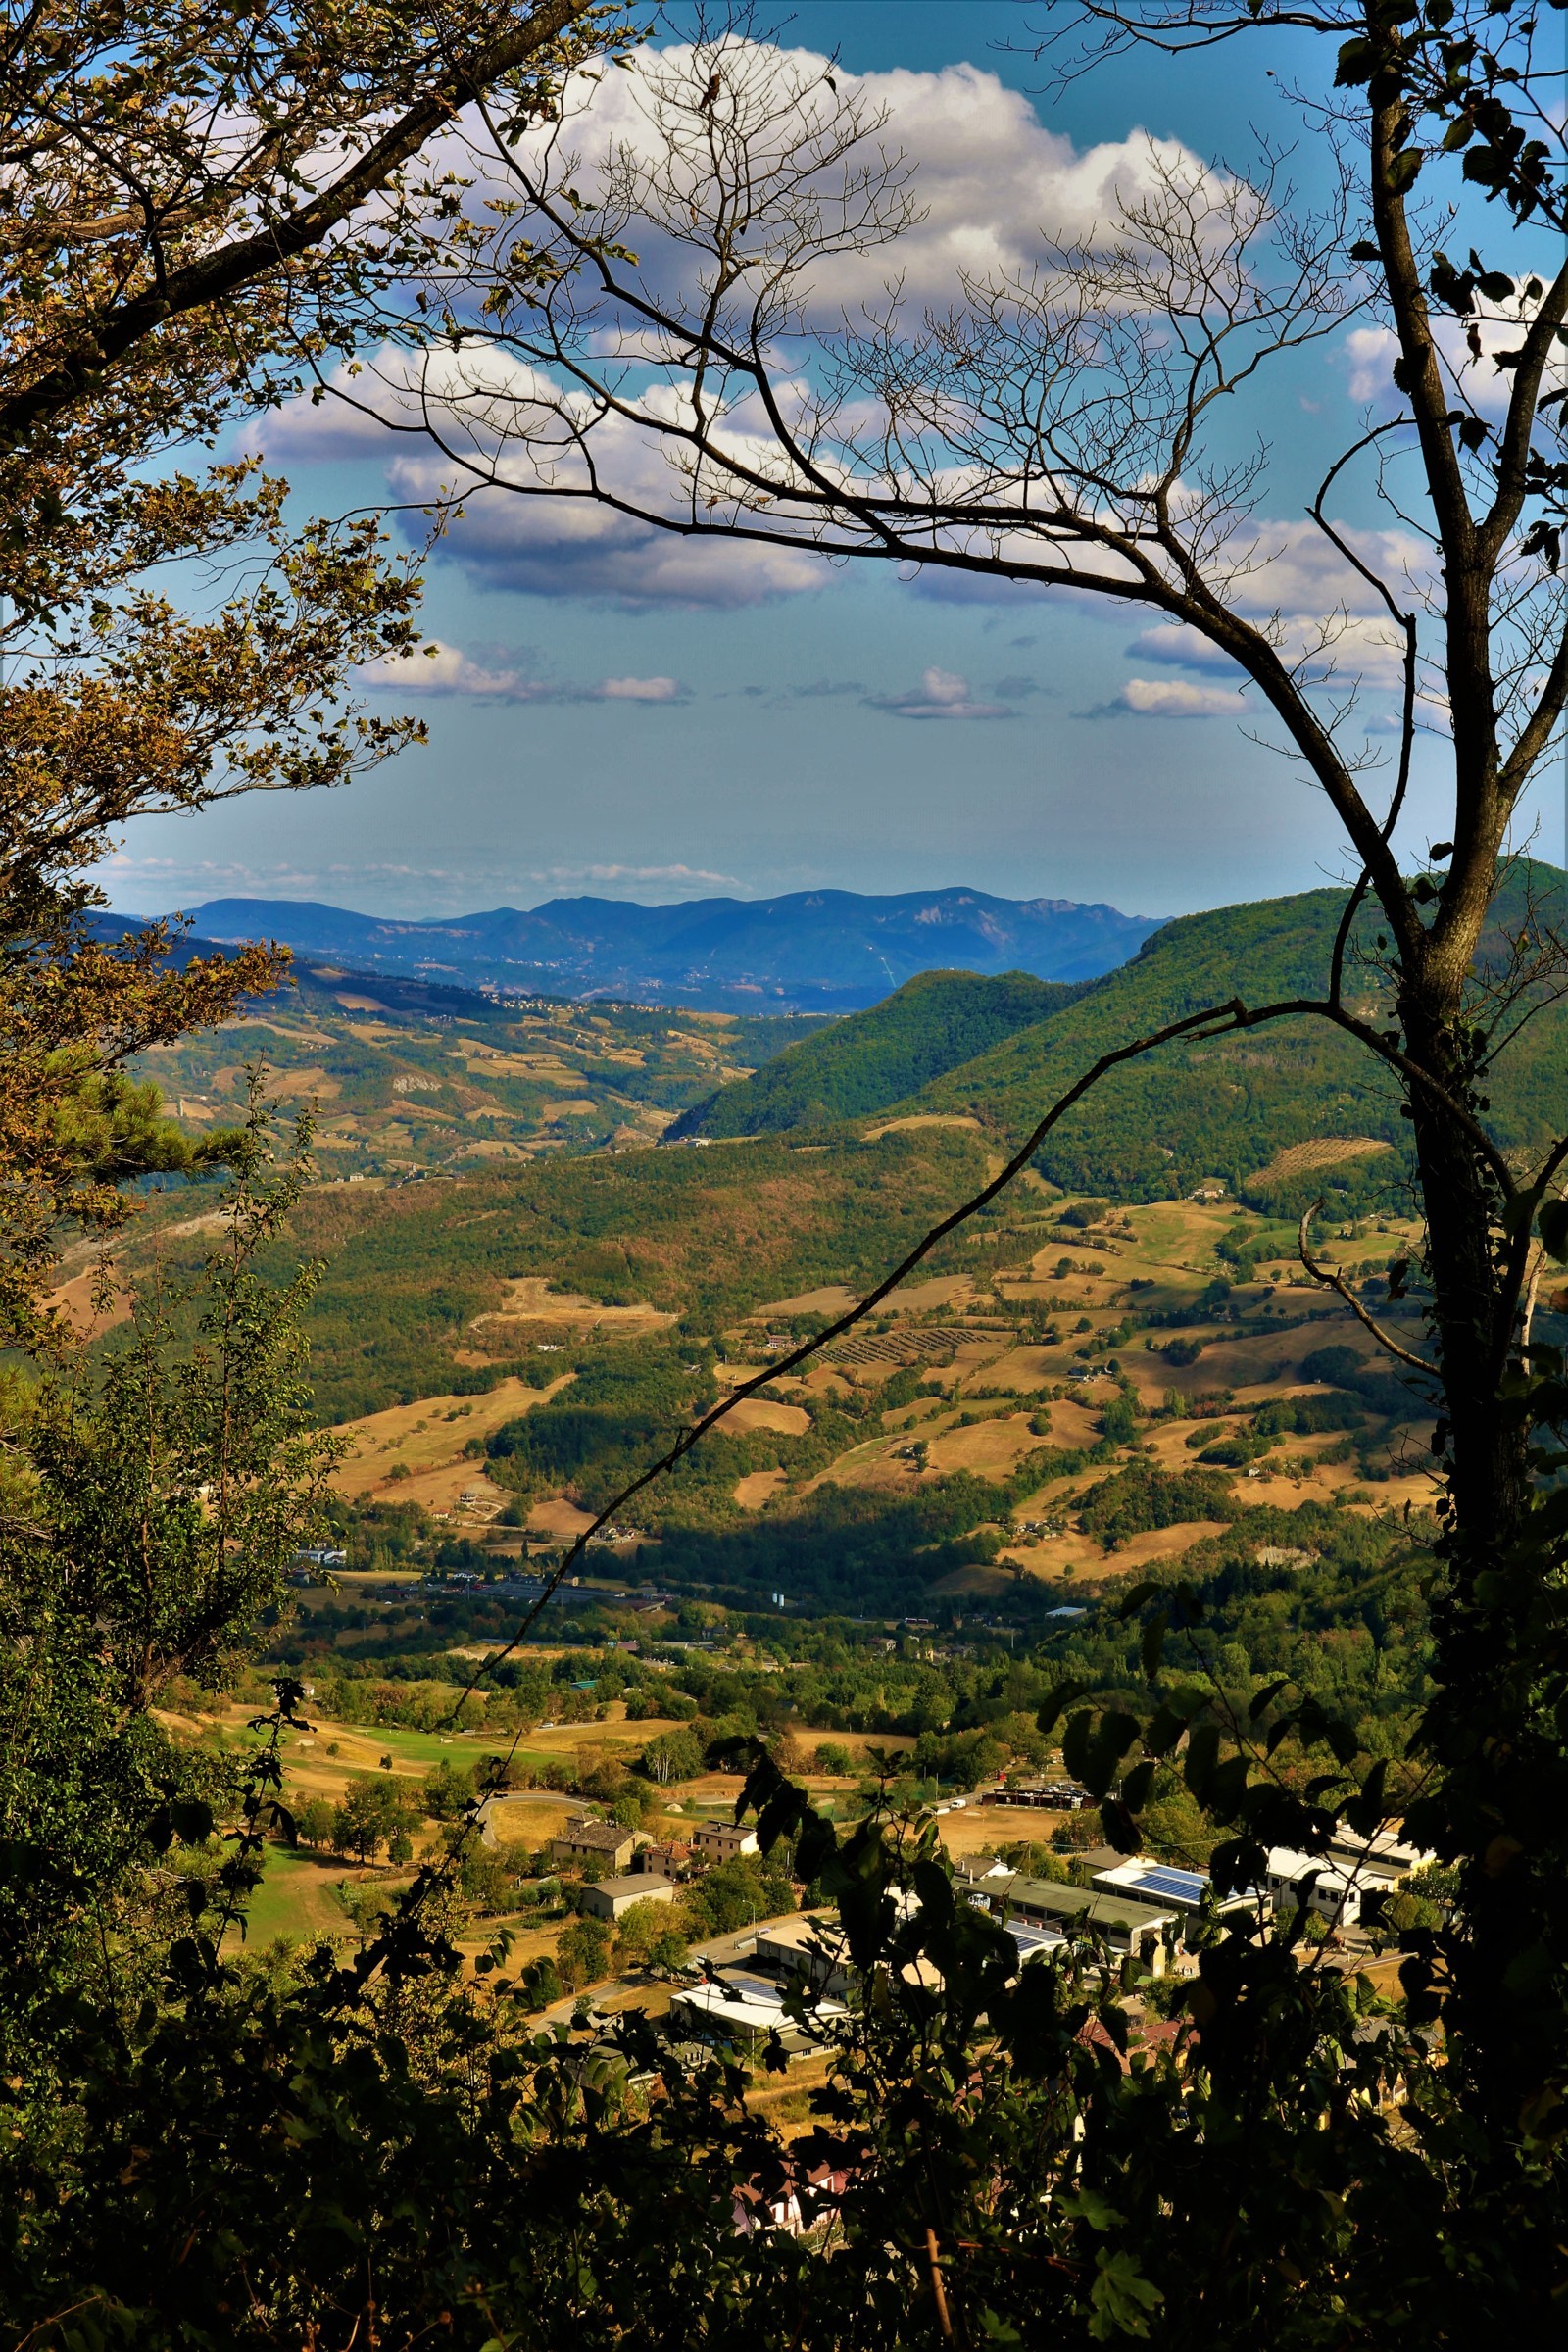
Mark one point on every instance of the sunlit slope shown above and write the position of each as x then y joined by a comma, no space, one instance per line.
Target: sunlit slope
859,1065
427,1286
1231,1106
1228,1108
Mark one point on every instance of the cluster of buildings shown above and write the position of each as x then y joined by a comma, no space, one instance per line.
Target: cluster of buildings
1144,1909
635,1868
1047,1796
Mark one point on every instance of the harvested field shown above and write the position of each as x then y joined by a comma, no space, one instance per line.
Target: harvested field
924,1118
1319,1152
426,1440
535,1297
758,1488
760,1412
990,1447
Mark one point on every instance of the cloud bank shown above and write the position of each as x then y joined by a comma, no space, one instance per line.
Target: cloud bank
442,669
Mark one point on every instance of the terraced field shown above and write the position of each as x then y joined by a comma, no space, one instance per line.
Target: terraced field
408,1076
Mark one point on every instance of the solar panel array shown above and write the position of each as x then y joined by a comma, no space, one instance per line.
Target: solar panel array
1176,1886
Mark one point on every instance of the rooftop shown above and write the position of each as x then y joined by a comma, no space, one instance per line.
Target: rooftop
607,1836
1082,1903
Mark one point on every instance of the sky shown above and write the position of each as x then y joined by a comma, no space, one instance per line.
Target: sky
602,721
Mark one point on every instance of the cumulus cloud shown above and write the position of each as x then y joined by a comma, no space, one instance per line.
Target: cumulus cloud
1171,698
1370,352
1318,608
992,186
445,669
941,694
991,180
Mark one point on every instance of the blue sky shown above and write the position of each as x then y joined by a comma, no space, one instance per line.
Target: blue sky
796,741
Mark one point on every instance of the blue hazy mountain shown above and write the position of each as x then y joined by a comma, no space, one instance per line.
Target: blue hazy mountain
818,950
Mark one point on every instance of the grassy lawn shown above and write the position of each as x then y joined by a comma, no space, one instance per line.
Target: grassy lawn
296,1897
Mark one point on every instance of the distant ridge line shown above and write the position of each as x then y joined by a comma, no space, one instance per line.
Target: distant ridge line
820,951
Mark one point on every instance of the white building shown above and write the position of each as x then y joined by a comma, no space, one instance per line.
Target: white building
743,2009
1381,1860
612,1896
808,1945
722,1841
1162,1883
1330,1893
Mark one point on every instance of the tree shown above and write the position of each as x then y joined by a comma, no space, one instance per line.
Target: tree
1073,428
582,1953
198,205
672,1757
642,1930
314,1821
447,1791
374,1813
736,1895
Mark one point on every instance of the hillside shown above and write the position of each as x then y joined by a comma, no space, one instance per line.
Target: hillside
410,1076
821,951
1245,1109
436,1285
858,1066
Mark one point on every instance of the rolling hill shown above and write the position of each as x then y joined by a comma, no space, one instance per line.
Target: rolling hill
409,1075
1233,1108
825,950
856,1066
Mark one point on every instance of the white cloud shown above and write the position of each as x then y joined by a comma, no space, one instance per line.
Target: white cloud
941,694
1371,352
1175,697
991,180
438,669
992,185
640,689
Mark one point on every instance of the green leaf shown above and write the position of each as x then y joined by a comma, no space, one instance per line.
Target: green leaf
1203,1754
1088,2205
1056,1701
1121,2298
1263,1699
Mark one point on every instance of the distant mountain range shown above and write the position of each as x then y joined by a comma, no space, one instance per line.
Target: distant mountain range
818,950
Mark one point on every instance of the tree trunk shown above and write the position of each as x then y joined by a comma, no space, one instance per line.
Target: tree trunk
1479,1730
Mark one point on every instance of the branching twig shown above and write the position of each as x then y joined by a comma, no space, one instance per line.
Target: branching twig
1332,1281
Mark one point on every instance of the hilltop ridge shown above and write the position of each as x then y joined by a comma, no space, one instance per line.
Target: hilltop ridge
823,951
1230,1108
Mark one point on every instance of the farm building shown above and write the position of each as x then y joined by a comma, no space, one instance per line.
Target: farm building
603,1842
612,1896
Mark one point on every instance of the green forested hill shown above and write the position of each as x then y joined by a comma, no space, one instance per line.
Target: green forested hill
706,1235
1227,1107
859,1065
